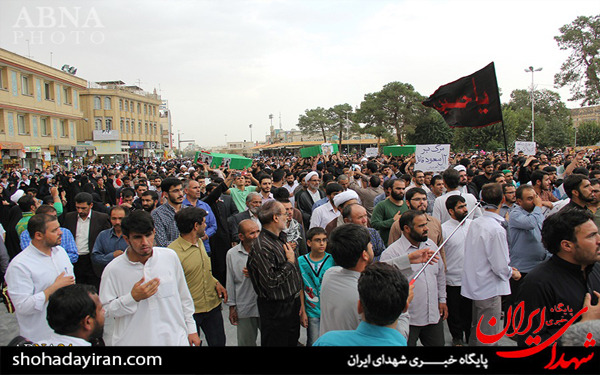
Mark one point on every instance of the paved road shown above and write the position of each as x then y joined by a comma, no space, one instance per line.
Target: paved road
9,329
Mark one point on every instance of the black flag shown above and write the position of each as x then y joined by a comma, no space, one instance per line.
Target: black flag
472,101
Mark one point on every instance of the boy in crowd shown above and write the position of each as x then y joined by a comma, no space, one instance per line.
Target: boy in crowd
312,267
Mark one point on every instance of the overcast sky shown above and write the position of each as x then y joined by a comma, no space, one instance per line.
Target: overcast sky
224,64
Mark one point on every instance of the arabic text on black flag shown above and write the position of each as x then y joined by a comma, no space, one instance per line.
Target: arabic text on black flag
470,101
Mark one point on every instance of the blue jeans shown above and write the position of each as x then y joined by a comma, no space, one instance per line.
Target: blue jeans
312,331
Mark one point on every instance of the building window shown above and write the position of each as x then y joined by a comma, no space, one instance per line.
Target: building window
127,126
97,102
2,79
154,110
22,124
145,109
25,82
67,95
139,127
44,126
146,127
155,129
49,90
108,123
98,123
130,106
126,108
107,103
64,131
139,106
122,126
121,104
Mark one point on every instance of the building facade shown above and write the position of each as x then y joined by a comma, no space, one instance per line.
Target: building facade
121,122
39,109
580,115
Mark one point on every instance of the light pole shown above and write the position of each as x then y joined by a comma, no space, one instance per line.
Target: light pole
250,126
528,70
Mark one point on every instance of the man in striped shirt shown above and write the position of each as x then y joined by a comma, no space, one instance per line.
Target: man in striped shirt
275,275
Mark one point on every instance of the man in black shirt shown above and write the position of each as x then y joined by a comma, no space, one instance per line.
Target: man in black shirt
275,275
486,177
579,190
559,285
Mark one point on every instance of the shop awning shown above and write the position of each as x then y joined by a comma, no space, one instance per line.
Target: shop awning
11,146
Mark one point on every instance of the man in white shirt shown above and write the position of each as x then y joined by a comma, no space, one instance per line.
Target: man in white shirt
76,315
428,309
324,214
351,248
35,273
418,181
145,291
451,179
459,307
486,271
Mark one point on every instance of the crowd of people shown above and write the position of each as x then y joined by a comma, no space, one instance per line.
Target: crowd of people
155,251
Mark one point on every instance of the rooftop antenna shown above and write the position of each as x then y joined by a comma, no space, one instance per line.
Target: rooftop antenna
280,121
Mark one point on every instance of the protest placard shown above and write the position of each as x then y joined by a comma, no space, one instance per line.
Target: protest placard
372,152
528,148
432,158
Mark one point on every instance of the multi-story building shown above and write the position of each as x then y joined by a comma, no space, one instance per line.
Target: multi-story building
166,127
121,121
580,115
39,109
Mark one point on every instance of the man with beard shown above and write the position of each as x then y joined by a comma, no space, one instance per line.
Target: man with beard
579,190
86,224
416,198
273,270
37,272
76,315
253,203
569,277
164,215
524,235
145,290
428,309
350,246
110,242
265,185
486,177
510,199
459,307
540,181
290,185
305,198
389,210
451,180
192,191
149,200
205,289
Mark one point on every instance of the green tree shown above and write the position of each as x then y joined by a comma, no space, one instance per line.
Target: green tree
315,120
588,133
395,108
430,129
555,133
581,70
340,116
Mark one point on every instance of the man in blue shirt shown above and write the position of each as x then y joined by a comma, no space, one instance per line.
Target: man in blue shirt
68,241
383,295
193,193
110,242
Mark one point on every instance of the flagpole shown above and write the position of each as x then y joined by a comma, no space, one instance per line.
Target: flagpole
443,243
501,116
